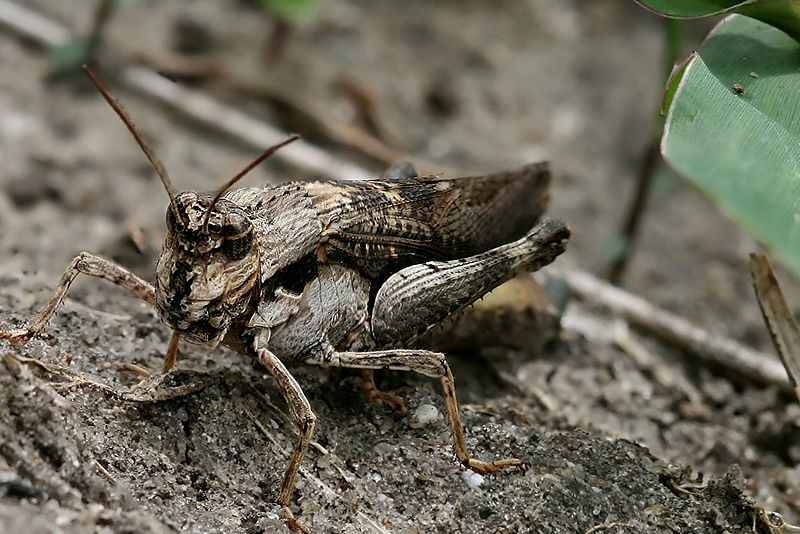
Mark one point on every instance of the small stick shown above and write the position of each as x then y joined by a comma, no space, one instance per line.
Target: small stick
101,15
194,104
238,124
285,419
779,319
135,369
33,25
104,471
633,219
717,350
350,135
613,524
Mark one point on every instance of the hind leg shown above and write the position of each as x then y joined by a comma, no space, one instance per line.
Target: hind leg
421,296
427,363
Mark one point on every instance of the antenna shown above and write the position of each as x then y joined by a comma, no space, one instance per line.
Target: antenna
151,156
264,155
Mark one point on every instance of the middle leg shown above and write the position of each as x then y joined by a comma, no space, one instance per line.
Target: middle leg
377,396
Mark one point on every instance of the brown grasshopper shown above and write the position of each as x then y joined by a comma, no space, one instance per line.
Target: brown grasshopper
334,273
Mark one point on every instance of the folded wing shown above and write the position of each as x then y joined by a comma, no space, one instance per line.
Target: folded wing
380,226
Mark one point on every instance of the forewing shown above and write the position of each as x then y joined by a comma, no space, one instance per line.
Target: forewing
380,226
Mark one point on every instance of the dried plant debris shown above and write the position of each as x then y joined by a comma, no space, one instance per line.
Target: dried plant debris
778,317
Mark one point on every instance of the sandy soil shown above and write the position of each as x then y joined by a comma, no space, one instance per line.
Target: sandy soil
612,446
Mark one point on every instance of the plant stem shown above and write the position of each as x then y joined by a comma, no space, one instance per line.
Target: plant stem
673,44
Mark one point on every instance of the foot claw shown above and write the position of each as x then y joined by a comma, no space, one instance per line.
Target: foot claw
294,524
16,336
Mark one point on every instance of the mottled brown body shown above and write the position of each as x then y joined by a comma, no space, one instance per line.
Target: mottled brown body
243,272
349,274
334,273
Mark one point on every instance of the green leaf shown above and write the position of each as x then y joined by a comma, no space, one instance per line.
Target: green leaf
290,10
742,150
783,14
689,8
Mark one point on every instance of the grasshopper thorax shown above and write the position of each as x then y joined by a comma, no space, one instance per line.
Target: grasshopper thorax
208,267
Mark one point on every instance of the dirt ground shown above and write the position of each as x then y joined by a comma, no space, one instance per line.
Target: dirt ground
612,446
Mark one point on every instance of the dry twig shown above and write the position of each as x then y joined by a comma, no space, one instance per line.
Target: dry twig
196,105
361,139
713,349
779,319
613,524
32,25
239,125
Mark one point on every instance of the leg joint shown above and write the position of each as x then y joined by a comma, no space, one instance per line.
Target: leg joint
308,421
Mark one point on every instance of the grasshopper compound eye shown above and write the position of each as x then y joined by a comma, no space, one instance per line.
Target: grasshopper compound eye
238,236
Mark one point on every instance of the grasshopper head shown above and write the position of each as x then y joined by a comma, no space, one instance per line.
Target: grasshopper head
208,266
209,263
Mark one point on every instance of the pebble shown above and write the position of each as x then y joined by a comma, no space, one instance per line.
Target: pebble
473,479
424,415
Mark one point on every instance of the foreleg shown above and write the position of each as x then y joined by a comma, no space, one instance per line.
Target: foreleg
300,410
89,264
